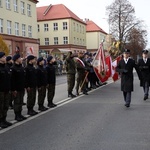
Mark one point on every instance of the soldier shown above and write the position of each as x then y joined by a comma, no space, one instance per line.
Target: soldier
144,66
41,83
81,74
9,63
51,81
18,85
5,82
71,72
125,68
30,84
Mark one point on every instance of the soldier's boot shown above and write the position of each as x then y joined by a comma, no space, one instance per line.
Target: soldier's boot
6,122
23,117
42,108
71,95
3,124
31,112
18,117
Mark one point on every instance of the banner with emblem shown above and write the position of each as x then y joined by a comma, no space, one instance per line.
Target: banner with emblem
99,65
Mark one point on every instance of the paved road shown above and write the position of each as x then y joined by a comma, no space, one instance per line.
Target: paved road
99,121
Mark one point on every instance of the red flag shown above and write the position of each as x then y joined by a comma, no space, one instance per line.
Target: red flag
108,66
115,74
99,65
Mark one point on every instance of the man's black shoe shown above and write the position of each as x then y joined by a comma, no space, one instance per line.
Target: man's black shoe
127,105
52,105
3,125
85,93
42,108
18,118
8,123
32,112
145,98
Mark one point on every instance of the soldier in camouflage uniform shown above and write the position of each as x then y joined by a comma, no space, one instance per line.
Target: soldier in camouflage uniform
71,71
81,74
5,81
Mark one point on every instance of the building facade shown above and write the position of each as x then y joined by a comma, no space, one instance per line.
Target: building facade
94,36
18,26
60,30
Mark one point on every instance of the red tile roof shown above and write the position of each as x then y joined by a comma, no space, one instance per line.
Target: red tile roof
92,27
54,12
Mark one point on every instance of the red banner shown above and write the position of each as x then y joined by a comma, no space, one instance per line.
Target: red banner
99,65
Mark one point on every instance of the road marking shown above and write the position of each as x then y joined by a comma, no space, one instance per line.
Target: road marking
59,104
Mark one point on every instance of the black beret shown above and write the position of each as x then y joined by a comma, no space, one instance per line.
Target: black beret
145,51
126,51
8,58
30,57
2,54
39,59
15,57
49,58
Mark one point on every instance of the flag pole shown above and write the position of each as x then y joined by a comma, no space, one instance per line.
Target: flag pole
83,81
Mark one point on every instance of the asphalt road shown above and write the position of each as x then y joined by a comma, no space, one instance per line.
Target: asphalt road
99,121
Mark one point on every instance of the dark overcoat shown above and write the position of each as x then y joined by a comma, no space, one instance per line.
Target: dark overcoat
126,73
144,70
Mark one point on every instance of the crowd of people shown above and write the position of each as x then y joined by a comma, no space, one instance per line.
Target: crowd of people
37,76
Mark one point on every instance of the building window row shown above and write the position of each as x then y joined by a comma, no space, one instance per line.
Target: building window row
56,41
79,41
55,27
16,6
78,28
9,28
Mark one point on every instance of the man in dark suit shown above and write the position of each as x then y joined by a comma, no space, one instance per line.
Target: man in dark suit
125,68
144,66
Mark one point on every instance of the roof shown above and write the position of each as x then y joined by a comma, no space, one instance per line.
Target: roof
55,12
92,27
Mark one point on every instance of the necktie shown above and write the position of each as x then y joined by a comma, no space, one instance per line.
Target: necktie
145,60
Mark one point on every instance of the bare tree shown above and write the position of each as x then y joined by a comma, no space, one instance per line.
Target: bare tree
137,41
121,20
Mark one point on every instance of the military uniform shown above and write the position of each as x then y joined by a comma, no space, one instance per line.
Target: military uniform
71,72
81,74
18,85
41,84
125,68
31,84
5,86
144,66
51,81
9,67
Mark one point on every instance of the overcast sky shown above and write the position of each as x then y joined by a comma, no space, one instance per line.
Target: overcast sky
95,10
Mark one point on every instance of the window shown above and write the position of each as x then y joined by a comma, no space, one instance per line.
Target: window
17,28
55,40
38,27
65,38
1,3
55,26
46,41
30,31
83,30
80,28
77,41
29,10
16,5
23,30
65,26
7,4
80,41
74,26
77,28
8,27
45,27
83,42
22,7
1,25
